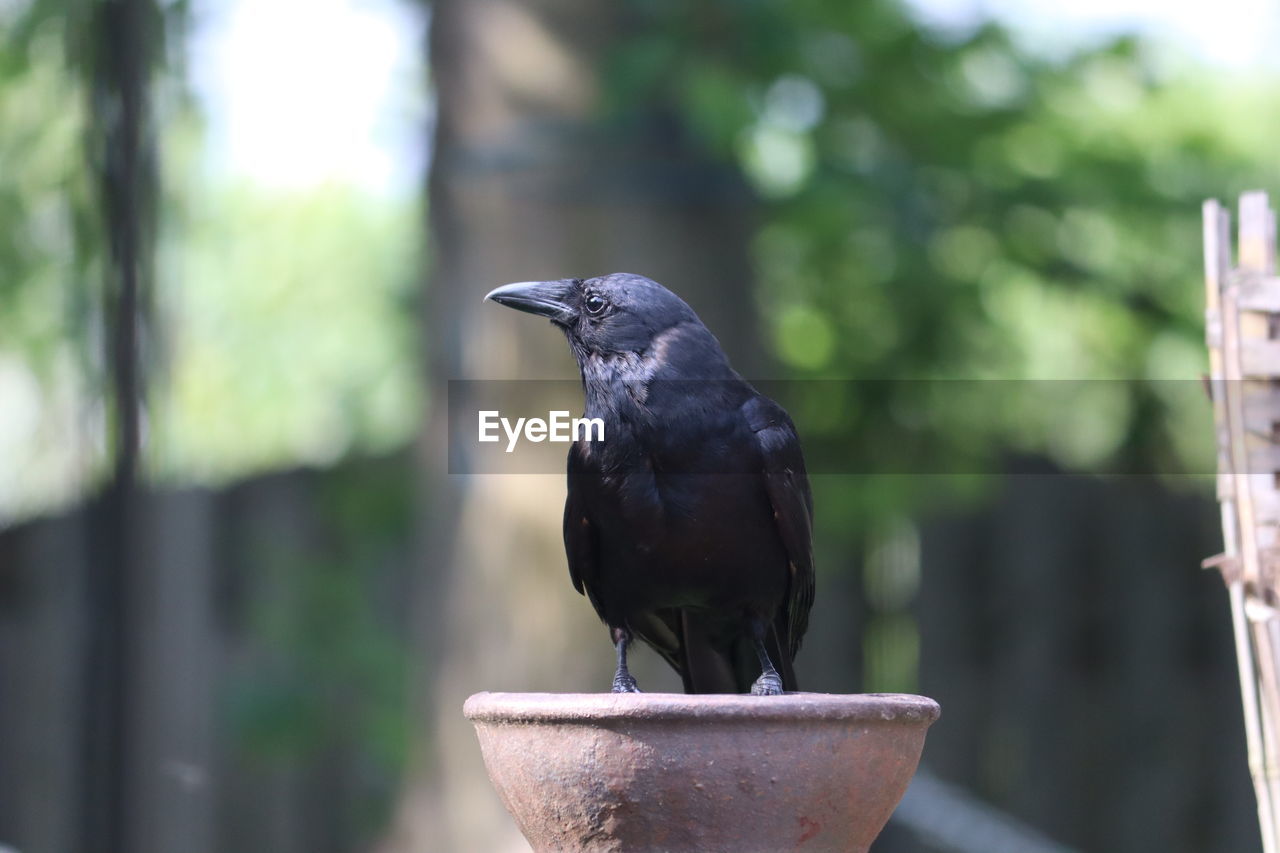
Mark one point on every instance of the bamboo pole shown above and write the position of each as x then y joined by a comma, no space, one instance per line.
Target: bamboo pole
1258,489
1248,500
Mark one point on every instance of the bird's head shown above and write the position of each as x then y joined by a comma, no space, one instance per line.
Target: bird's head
611,314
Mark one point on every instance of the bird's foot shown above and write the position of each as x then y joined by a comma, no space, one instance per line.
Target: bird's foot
768,684
624,683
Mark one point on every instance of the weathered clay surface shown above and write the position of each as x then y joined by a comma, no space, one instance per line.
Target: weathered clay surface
670,772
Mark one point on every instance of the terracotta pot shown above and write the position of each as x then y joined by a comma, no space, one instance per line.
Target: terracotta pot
669,772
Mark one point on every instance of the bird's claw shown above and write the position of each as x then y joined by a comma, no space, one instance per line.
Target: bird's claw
768,684
624,683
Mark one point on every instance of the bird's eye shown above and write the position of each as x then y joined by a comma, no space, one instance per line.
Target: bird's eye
594,304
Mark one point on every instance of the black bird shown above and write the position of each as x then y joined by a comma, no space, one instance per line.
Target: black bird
688,525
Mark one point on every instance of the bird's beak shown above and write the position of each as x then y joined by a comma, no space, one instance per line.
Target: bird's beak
551,299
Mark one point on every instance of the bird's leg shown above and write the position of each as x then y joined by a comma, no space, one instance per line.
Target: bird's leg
769,683
622,680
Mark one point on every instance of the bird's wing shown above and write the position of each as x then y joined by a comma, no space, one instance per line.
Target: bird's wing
787,485
579,532
661,630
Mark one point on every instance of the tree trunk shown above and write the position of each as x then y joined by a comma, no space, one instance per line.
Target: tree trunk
120,148
529,182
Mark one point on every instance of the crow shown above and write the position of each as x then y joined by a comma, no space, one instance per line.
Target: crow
688,525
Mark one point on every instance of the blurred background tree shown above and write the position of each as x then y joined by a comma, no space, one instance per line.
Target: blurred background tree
843,191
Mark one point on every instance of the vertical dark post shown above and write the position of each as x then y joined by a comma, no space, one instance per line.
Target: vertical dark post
119,43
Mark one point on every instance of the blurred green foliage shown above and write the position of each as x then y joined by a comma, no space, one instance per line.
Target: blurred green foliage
41,117
44,305
285,323
942,206
291,331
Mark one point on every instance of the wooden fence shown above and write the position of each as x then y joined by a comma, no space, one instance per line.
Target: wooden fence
1083,662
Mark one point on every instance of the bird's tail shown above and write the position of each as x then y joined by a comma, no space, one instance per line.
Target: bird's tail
708,668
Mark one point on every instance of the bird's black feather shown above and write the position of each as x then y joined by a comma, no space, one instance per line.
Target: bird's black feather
689,525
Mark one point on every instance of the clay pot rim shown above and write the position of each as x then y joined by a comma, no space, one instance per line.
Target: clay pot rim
603,707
